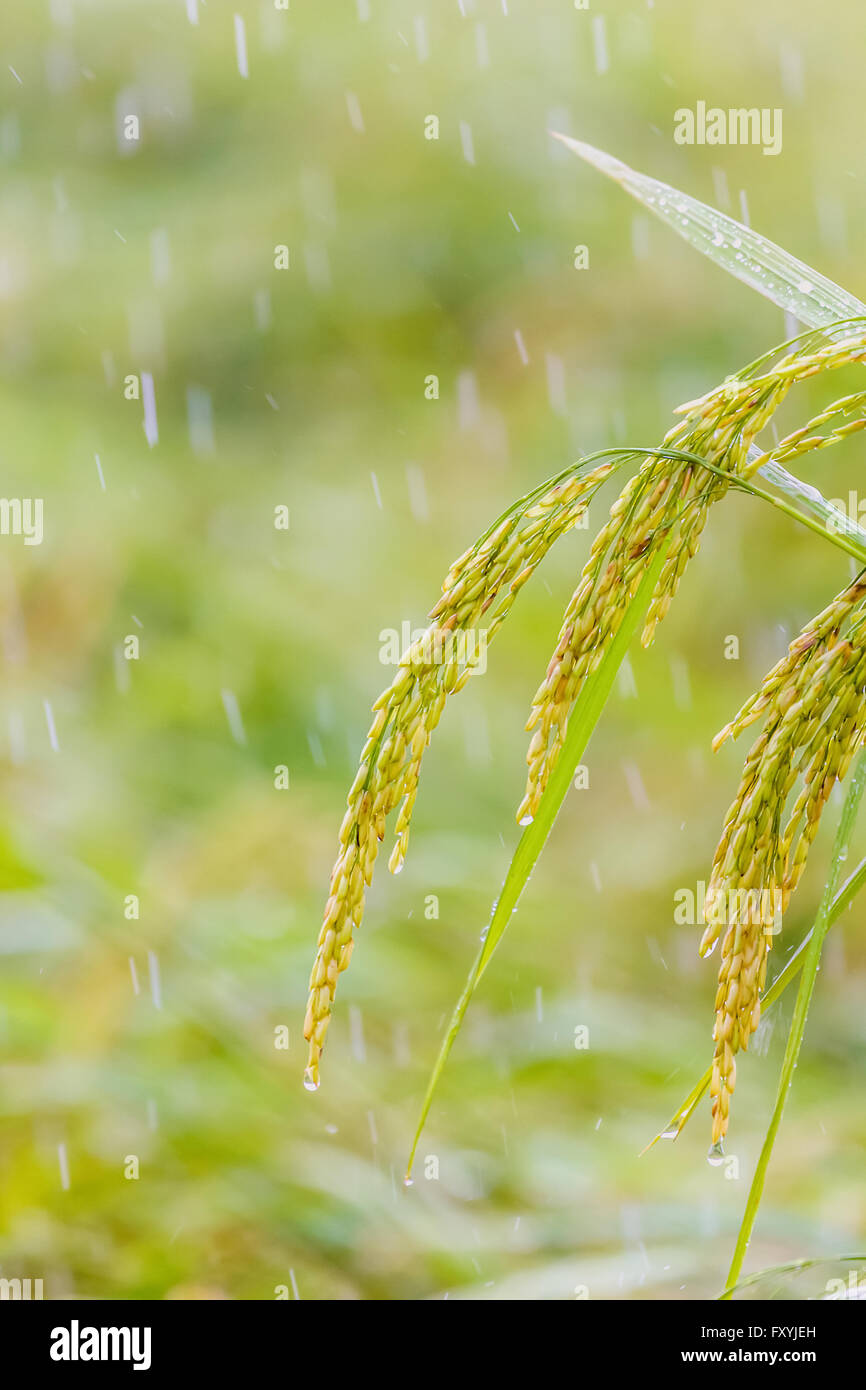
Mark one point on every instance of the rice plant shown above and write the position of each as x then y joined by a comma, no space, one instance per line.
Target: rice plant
810,708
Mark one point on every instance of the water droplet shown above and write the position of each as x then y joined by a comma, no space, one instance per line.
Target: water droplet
525,820
670,1133
408,1182
310,1082
716,1155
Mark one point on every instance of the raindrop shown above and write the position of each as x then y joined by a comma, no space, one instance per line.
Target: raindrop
151,429
353,107
599,44
716,1155
241,46
155,985
49,720
466,142
233,715
310,1082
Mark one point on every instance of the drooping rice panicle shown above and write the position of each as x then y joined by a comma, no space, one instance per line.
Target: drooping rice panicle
477,594
668,502
814,704
816,637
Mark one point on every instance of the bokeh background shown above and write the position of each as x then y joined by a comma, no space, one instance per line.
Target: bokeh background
153,1036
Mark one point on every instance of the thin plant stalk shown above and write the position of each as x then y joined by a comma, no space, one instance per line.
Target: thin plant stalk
808,977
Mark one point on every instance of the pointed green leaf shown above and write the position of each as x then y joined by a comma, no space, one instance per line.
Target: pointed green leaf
773,272
758,262
584,717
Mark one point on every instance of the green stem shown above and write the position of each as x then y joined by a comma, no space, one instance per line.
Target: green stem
798,1022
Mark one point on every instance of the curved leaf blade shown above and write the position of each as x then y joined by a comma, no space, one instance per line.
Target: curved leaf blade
754,259
584,717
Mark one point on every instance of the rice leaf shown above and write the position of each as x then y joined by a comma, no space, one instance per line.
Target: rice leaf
758,262
808,498
773,272
776,1281
584,717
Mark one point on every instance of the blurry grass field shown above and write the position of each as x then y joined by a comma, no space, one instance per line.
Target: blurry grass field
406,260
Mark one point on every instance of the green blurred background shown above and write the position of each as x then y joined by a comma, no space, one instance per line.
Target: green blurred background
260,647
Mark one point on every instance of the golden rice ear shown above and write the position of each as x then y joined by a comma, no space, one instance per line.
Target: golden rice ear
814,708
659,517
668,502
477,595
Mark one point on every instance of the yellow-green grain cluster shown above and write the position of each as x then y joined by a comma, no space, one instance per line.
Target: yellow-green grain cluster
477,594
813,703
666,503
812,700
